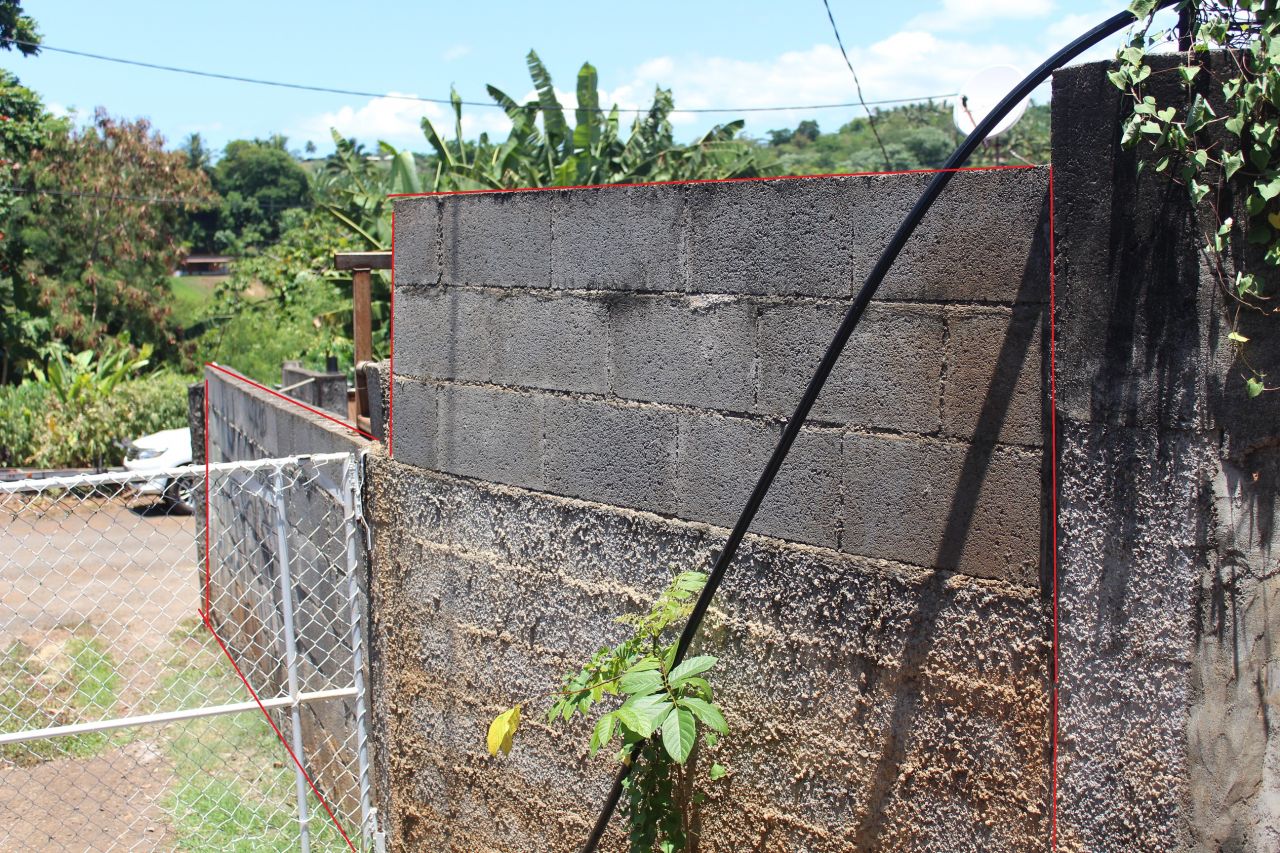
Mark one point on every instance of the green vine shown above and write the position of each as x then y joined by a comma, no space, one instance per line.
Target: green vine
1183,141
666,707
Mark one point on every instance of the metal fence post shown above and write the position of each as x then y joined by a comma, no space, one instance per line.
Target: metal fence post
291,659
350,512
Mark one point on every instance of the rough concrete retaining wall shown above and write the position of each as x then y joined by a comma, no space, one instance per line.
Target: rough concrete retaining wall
246,423
587,381
1168,479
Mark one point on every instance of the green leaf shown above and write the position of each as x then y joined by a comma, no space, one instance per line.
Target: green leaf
1238,338
717,771
678,733
1119,79
1188,73
1142,8
1270,189
1235,124
690,668
1253,387
707,713
641,683
602,734
1132,55
1231,163
642,714
1198,191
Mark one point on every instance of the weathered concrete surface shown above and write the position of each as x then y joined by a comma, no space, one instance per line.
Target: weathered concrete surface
317,388
1167,512
246,423
586,380
874,705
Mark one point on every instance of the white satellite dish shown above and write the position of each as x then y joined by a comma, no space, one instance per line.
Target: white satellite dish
980,95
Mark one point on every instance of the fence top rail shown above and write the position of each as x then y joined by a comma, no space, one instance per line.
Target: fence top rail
123,477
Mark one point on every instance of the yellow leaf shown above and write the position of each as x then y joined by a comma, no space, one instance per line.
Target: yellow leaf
1274,219
502,730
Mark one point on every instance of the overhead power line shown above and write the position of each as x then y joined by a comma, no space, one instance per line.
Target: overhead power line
215,75
871,119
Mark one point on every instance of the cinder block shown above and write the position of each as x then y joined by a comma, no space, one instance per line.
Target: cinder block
414,409
618,238
984,239
888,376
551,341
774,237
697,351
995,388
497,239
415,241
490,434
721,459
443,333
943,505
622,455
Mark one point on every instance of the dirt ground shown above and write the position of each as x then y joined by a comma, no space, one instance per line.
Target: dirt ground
127,573
108,802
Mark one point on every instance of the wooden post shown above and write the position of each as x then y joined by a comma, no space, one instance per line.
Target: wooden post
361,265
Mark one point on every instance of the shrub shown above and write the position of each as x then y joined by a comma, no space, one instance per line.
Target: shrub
38,429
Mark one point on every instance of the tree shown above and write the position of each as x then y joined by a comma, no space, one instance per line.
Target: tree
258,180
18,31
102,227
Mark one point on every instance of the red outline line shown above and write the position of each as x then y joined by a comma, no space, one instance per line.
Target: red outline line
1053,499
712,181
207,529
288,399
253,693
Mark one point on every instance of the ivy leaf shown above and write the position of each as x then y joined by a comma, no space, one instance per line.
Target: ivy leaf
707,714
690,668
1131,55
1253,387
678,733
502,730
1231,163
1198,191
1235,124
717,771
1188,73
1119,79
1270,189
1238,338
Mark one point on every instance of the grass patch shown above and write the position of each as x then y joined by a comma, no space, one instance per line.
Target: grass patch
234,783
59,683
192,296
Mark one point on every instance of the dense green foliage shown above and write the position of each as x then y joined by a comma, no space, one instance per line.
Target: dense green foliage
916,136
666,705
1230,164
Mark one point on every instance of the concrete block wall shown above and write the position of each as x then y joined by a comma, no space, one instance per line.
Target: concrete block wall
247,423
587,383
641,346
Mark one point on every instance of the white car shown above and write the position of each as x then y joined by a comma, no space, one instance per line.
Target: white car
156,452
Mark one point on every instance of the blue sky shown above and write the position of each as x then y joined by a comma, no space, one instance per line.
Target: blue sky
710,53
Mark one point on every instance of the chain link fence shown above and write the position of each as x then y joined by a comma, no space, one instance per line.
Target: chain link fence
150,700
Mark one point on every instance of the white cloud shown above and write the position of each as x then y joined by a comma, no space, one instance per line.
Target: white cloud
398,120
979,14
457,51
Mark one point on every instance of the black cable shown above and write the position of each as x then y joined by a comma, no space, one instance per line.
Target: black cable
356,92
871,119
1023,90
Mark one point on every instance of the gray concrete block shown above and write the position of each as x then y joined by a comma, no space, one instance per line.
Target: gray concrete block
618,238
888,376
720,460
943,505
415,241
490,434
377,376
697,351
622,455
497,239
984,240
543,341
443,333
995,387
774,237
414,407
